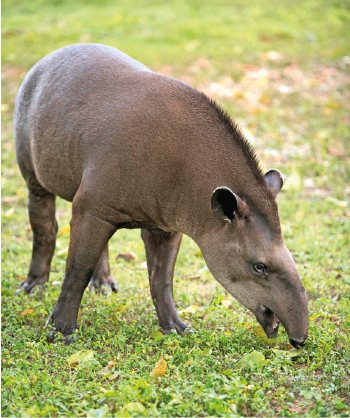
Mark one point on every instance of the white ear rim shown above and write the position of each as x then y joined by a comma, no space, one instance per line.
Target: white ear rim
239,206
216,206
274,180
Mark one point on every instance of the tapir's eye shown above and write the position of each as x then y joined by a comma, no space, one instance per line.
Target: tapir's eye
259,267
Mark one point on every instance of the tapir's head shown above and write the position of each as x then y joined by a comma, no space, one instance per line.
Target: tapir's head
246,254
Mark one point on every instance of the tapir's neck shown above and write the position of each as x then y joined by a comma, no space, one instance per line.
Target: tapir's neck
215,155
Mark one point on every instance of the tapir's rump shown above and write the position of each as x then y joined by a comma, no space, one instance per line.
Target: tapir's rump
135,149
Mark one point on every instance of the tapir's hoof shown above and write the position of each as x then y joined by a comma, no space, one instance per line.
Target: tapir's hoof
188,331
68,339
19,290
29,288
181,329
52,337
105,287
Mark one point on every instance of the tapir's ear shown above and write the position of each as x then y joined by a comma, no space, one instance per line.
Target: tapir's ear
274,180
225,204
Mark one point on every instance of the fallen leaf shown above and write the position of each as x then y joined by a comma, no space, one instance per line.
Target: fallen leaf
226,303
127,256
10,212
272,342
106,369
190,309
159,369
123,308
289,354
26,312
255,359
157,335
97,413
135,407
80,357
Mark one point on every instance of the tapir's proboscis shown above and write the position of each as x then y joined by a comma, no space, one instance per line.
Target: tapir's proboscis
131,148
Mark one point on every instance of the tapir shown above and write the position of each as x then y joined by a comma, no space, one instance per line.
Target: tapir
131,148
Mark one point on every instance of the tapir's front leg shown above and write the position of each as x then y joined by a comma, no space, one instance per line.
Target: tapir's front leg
89,236
161,252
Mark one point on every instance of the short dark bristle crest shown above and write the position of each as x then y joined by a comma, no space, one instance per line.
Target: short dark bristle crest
237,135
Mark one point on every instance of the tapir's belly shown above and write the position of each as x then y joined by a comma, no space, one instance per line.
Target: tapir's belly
55,172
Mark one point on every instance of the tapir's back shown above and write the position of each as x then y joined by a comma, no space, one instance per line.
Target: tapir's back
141,140
62,107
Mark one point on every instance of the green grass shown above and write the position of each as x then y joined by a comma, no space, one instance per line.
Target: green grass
295,109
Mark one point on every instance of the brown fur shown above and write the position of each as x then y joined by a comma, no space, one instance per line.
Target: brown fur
135,149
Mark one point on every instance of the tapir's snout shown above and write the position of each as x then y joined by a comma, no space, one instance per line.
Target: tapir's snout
297,343
291,310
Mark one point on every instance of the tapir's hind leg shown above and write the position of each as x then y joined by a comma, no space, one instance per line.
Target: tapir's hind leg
41,208
161,252
102,275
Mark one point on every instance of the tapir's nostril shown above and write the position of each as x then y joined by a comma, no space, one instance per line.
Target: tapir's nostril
296,343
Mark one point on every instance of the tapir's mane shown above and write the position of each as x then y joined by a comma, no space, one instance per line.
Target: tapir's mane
238,137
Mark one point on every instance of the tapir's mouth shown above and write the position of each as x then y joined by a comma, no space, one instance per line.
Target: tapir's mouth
270,322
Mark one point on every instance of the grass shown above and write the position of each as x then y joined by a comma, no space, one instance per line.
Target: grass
294,107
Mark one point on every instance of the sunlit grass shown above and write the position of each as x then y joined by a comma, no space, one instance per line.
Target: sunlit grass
295,109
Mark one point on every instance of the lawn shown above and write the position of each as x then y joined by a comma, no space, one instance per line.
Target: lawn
281,69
